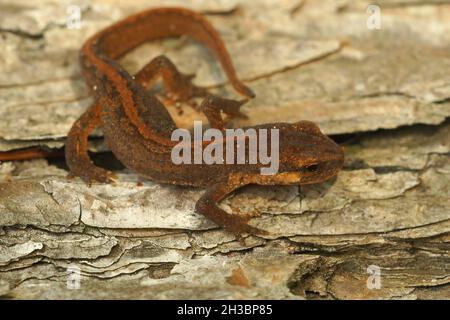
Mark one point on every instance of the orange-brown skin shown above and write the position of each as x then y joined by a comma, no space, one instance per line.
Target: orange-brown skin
137,127
29,154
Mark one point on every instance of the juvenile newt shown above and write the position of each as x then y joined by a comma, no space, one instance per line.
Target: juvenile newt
137,127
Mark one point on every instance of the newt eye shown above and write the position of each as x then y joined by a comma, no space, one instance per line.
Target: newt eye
312,168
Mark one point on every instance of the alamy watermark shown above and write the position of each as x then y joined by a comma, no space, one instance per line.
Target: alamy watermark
249,146
374,280
73,20
73,277
374,19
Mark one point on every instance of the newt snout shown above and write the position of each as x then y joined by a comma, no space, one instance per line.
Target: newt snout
307,155
324,162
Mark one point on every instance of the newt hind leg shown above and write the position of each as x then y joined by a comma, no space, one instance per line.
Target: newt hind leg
212,106
76,148
179,86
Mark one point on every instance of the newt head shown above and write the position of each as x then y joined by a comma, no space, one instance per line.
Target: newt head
306,155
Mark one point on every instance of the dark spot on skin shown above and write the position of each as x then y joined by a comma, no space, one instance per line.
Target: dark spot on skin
312,168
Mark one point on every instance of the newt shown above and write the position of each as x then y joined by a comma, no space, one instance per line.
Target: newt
137,127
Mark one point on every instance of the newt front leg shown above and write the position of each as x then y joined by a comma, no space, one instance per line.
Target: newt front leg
208,206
